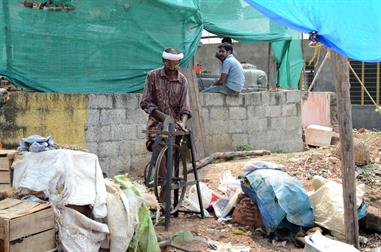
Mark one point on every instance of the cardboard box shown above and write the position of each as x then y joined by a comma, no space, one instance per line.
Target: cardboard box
26,226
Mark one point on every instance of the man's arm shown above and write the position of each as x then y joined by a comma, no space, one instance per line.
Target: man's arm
185,110
221,80
226,65
147,103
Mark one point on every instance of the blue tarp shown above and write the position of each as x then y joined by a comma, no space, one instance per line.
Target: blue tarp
279,196
351,27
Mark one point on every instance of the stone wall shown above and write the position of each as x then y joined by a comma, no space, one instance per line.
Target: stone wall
111,125
114,131
265,120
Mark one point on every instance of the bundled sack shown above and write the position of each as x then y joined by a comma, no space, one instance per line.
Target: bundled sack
328,205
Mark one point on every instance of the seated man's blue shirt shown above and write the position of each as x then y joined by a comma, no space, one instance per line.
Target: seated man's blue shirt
234,71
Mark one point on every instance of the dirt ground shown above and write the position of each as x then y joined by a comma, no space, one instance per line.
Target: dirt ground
301,165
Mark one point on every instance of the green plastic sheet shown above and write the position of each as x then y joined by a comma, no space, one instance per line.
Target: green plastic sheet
108,46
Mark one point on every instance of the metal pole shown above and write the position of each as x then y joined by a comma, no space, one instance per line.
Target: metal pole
346,141
190,136
168,175
268,66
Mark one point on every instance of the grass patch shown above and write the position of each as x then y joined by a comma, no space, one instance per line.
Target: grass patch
244,147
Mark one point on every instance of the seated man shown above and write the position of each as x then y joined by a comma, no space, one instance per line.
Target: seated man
232,79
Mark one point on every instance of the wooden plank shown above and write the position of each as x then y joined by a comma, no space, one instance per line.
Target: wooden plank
9,202
36,243
7,152
31,224
196,123
5,177
22,209
344,110
4,163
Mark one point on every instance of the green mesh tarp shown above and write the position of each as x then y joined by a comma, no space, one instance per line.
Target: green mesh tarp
107,46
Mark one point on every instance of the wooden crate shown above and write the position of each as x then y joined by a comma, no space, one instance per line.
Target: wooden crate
6,160
26,226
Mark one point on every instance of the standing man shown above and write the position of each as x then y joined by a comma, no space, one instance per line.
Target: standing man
232,79
166,94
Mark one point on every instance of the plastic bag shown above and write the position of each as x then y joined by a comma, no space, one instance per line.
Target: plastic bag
319,243
229,184
208,196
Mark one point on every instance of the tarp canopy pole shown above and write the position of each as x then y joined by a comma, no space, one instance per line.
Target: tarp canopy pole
344,109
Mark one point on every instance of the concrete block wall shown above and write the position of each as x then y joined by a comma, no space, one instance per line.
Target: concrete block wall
114,131
265,120
110,125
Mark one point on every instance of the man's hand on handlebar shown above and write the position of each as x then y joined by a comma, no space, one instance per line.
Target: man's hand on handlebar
183,123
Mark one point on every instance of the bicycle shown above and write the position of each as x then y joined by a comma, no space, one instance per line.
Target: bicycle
175,152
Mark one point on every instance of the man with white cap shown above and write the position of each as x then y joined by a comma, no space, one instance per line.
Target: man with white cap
166,95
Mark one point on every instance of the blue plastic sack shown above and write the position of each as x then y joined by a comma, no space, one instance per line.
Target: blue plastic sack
278,196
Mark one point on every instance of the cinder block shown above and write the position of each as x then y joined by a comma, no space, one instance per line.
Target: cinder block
237,126
140,148
137,116
289,110
277,98
278,123
294,122
104,162
100,101
252,98
93,117
239,139
219,113
234,100
123,131
108,149
112,116
221,142
213,99
216,127
265,98
256,125
273,111
138,162
104,133
237,113
126,148
256,111
92,134
119,165
92,148
293,96
126,101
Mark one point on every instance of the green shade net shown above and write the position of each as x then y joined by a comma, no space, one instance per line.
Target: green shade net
108,46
